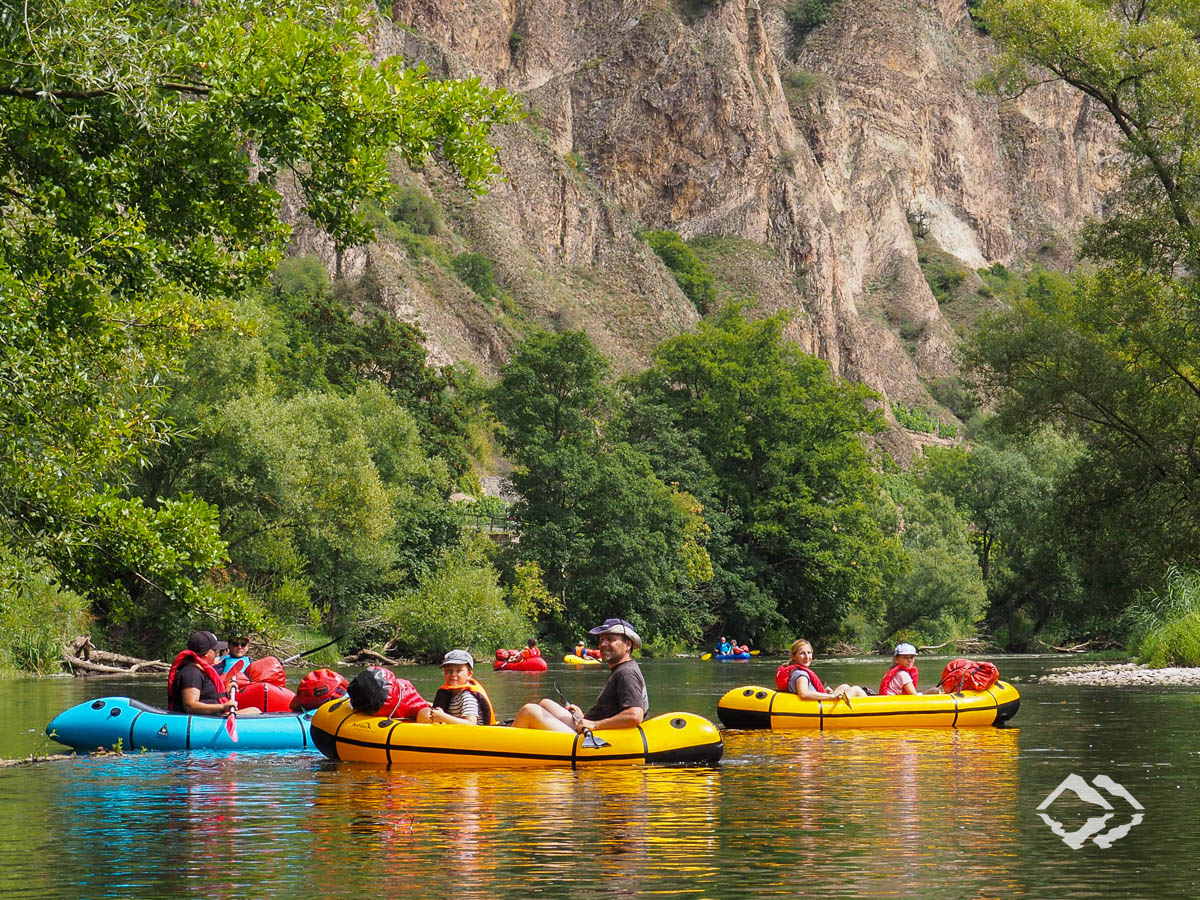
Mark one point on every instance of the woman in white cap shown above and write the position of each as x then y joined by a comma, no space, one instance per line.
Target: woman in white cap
901,678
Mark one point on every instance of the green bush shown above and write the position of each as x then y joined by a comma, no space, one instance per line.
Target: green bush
416,209
917,419
37,618
807,15
302,276
458,604
1166,623
943,277
691,274
475,271
953,393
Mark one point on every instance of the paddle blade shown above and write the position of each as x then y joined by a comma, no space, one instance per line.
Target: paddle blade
755,652
706,656
231,726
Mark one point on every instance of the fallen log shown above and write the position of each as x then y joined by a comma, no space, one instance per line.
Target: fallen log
30,760
85,665
970,644
371,658
1093,644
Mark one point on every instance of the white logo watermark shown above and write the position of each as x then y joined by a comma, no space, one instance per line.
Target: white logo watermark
1095,827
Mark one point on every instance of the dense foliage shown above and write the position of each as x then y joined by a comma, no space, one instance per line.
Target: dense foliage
140,148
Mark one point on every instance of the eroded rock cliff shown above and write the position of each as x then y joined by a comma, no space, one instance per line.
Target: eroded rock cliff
712,118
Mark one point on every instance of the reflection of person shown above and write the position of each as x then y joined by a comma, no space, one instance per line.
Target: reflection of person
461,700
623,701
797,676
901,678
193,685
235,660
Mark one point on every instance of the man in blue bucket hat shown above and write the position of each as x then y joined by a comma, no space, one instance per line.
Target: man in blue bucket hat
623,701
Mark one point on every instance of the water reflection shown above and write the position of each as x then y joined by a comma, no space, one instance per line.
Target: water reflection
924,813
881,811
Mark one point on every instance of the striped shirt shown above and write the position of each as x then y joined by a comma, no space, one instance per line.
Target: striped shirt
464,703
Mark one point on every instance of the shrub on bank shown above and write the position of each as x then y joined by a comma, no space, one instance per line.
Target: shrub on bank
460,603
1166,623
36,617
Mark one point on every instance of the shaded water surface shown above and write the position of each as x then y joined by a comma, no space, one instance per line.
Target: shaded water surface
920,813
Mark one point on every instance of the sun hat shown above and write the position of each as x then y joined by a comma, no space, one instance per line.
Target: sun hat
203,641
618,626
459,658
905,649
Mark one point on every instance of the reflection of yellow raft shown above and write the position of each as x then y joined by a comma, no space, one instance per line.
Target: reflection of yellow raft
572,660
759,707
341,733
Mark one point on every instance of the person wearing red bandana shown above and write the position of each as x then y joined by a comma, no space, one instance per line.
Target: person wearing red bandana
193,685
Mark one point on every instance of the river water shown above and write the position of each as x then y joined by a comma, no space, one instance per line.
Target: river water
918,813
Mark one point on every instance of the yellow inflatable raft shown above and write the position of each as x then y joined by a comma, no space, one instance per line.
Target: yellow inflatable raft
572,660
341,733
758,707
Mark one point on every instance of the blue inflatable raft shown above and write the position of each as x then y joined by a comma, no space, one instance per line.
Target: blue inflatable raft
725,657
119,722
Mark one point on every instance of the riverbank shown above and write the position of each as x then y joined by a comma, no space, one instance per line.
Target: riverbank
1119,675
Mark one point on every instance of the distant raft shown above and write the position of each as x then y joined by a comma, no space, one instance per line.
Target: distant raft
572,660
677,738
122,723
727,657
759,707
530,664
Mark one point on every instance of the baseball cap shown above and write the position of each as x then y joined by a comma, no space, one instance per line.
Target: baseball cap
618,626
203,641
905,650
458,658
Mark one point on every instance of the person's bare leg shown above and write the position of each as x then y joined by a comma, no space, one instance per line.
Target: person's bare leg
534,715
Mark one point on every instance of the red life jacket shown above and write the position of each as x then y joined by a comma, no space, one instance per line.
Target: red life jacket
175,704
891,673
784,674
446,693
534,651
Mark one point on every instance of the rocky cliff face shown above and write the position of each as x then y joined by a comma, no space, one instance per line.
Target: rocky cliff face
711,118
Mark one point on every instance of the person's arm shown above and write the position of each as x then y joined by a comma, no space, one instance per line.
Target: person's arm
805,690
629,717
190,698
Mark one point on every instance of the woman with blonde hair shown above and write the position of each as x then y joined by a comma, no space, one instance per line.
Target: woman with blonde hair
797,676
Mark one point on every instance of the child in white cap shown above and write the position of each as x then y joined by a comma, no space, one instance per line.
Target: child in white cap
901,678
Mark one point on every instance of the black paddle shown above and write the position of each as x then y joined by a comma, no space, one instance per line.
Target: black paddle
587,732
291,659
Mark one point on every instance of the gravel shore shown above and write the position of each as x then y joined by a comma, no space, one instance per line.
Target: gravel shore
1118,674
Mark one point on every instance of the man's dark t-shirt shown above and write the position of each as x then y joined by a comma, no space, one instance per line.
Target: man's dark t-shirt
625,688
192,676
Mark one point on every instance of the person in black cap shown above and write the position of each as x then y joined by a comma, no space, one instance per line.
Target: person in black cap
193,685
623,702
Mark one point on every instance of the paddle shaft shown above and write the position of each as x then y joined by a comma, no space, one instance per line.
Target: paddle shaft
313,650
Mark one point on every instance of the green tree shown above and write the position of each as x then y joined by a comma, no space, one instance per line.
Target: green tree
141,148
611,538
1111,356
786,481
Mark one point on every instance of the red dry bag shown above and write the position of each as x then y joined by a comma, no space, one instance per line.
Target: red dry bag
265,697
317,687
268,670
968,675
378,692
